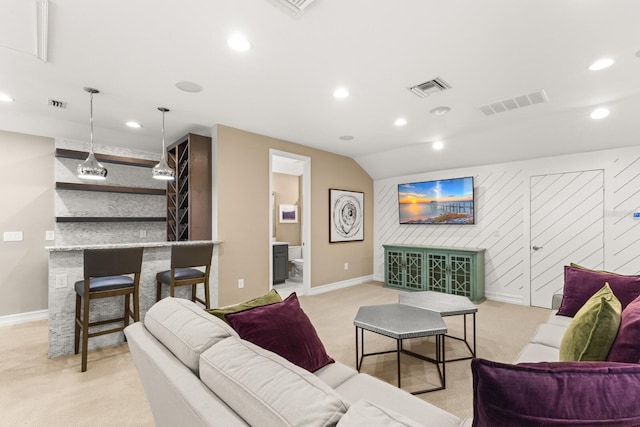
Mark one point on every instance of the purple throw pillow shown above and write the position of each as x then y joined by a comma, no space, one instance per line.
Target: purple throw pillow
626,346
580,284
284,329
555,394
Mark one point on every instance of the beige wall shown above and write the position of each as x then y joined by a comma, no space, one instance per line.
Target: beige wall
287,191
27,192
242,174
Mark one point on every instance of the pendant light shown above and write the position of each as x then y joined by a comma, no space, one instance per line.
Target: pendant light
91,168
162,169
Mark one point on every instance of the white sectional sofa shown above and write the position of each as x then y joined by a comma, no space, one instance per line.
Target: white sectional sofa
196,371
545,343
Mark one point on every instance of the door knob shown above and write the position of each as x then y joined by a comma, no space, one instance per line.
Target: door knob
536,248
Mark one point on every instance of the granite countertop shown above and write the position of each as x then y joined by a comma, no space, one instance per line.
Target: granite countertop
126,245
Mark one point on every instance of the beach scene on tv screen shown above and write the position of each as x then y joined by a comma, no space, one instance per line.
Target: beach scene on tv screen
437,202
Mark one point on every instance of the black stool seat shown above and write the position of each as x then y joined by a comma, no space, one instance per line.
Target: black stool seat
97,284
181,274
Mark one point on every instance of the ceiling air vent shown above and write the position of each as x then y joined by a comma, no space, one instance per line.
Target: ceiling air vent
57,104
432,86
537,97
296,7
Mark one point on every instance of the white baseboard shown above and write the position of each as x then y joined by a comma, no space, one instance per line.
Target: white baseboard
510,299
340,285
32,316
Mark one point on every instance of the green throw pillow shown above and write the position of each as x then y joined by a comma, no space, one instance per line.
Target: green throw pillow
272,297
593,329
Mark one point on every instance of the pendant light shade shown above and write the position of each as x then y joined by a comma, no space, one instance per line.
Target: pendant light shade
91,168
162,169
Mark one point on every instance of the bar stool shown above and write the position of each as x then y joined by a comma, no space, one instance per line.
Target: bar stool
104,271
183,258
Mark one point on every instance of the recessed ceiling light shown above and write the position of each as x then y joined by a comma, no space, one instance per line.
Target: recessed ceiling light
6,98
190,87
239,42
601,64
439,111
438,145
134,125
341,93
346,137
599,113
400,122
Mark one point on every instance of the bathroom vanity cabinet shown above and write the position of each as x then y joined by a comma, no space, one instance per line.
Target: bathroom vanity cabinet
280,263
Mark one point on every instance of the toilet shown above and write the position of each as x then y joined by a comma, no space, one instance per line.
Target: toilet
295,258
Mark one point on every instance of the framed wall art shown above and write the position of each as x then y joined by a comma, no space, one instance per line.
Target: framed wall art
288,213
346,216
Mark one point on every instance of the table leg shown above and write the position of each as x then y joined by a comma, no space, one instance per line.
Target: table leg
399,350
357,358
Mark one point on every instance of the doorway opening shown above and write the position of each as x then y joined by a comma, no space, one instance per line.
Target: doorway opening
289,222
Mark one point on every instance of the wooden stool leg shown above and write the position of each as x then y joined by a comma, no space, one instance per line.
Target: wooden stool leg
127,310
194,289
136,306
207,298
158,291
85,332
76,346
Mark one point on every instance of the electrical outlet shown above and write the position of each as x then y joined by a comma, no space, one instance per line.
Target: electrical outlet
346,265
13,236
143,233
49,235
61,281
240,283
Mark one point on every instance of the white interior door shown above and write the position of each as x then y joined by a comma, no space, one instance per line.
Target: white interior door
567,225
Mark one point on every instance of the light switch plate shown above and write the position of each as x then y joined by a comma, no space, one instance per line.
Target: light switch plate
13,236
49,235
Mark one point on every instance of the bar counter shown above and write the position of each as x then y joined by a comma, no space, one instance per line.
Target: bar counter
66,267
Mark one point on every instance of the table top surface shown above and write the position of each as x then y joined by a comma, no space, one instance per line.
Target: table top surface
400,321
441,303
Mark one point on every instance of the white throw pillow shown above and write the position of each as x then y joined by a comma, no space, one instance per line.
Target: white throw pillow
267,390
185,329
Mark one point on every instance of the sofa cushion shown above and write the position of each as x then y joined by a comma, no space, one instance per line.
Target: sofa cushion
284,329
580,283
363,386
593,329
335,374
185,329
549,334
626,347
555,394
364,413
269,298
267,390
535,352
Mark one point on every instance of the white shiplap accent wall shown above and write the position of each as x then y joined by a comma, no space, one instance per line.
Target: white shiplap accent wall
502,195
625,241
498,229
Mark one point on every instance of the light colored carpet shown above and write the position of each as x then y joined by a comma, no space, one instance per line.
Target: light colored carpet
38,391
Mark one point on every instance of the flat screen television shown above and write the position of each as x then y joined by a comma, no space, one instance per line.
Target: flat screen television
447,201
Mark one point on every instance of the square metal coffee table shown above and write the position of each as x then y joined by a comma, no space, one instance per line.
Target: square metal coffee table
401,322
445,305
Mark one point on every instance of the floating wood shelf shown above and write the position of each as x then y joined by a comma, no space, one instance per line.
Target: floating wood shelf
110,188
107,158
110,219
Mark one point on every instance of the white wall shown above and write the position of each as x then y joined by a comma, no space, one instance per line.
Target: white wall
503,217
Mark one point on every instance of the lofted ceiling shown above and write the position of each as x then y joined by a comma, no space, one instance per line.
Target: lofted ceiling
135,52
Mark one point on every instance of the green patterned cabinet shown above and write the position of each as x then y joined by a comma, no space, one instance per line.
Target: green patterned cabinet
458,271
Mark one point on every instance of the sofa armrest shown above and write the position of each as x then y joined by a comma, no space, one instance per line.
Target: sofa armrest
556,301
